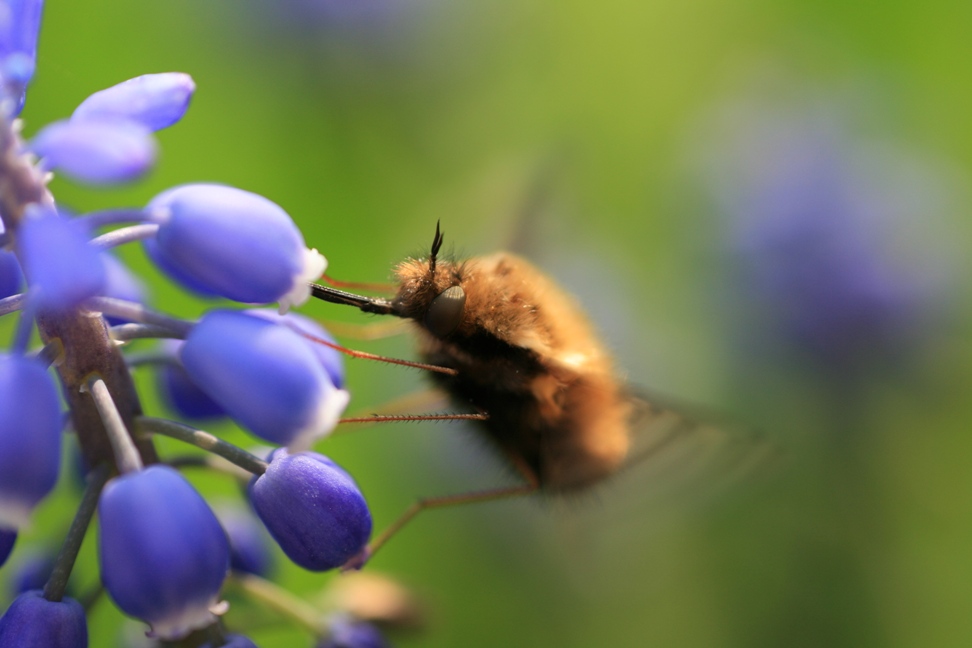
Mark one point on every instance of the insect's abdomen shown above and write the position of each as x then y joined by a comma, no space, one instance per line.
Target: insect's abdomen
569,431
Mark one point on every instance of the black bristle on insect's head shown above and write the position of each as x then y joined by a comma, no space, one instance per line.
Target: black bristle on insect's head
436,246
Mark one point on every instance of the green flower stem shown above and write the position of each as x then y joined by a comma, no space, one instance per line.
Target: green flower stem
204,440
126,454
136,312
12,304
282,601
54,588
52,353
132,331
151,357
210,462
125,235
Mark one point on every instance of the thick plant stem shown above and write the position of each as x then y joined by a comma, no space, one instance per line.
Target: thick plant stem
89,350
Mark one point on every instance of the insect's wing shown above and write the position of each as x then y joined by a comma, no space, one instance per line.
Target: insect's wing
686,449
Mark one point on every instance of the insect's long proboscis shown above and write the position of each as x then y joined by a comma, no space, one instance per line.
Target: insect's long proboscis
375,305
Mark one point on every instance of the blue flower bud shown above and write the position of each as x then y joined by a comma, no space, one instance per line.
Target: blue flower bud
180,393
163,554
233,641
34,622
234,243
8,537
329,358
97,151
264,375
172,268
64,269
19,26
249,542
312,508
30,438
347,632
155,101
11,277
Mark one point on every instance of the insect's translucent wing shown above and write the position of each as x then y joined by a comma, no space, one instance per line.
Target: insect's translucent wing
682,448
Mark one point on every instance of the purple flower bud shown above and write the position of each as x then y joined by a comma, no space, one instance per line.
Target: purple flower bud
347,632
249,542
155,101
19,26
312,508
30,438
264,375
8,537
64,269
97,151
180,393
32,621
329,358
234,243
11,277
163,554
233,641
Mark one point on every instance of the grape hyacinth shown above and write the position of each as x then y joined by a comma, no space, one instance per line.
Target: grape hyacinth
833,240
165,558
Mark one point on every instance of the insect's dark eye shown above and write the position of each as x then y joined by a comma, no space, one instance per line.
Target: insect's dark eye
445,311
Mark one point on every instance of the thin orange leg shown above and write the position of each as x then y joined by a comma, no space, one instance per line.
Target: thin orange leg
405,418
424,504
372,356
366,332
357,285
432,503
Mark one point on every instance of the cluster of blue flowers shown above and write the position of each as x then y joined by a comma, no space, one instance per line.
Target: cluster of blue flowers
164,554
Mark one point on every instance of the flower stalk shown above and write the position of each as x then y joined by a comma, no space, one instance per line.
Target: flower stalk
56,584
204,440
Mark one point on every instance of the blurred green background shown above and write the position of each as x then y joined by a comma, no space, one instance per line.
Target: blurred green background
370,123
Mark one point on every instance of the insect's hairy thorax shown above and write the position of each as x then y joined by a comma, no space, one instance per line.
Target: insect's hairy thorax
508,303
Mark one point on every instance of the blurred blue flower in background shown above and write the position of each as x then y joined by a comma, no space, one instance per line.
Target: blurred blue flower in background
347,632
31,571
249,541
836,242
838,279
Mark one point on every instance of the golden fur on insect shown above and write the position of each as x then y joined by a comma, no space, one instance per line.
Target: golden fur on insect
526,354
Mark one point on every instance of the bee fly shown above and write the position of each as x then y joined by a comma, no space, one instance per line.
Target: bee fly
517,348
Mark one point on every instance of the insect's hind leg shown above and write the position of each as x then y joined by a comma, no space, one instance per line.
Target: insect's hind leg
531,486
432,503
